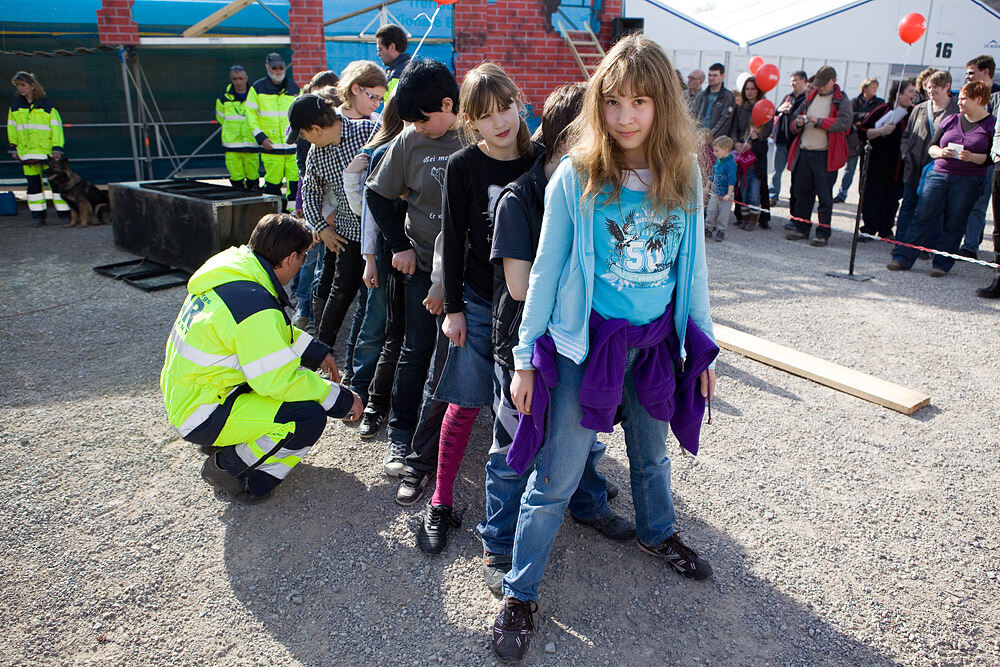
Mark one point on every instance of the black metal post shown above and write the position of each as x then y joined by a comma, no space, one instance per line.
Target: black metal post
862,182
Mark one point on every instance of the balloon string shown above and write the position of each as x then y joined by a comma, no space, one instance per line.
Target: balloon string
429,28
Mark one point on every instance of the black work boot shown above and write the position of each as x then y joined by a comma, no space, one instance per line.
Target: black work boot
992,291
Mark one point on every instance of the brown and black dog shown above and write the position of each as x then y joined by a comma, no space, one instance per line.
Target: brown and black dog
87,203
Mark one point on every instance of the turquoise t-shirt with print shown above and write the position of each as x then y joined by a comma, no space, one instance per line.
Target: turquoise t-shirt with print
635,252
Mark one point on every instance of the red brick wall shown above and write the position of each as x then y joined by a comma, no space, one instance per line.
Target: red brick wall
305,20
115,25
513,33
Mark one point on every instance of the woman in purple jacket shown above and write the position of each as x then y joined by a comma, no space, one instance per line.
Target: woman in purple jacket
961,150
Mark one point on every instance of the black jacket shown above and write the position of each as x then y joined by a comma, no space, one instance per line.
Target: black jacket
529,193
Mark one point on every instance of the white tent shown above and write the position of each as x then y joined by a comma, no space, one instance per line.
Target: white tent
689,43
860,40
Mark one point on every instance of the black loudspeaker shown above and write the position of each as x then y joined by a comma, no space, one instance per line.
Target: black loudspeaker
622,26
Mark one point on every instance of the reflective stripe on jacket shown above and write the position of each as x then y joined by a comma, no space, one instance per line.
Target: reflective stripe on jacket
233,331
230,112
267,112
34,129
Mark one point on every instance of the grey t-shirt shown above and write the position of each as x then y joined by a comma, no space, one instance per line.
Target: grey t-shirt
414,166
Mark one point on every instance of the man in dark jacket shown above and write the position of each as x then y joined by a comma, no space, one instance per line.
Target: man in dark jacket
783,130
391,43
818,150
714,106
862,105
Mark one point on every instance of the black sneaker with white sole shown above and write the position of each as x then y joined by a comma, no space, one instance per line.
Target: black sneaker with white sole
411,487
681,557
511,629
432,536
371,422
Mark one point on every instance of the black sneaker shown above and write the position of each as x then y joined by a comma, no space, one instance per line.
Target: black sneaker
681,557
432,536
510,630
371,422
495,567
411,487
613,526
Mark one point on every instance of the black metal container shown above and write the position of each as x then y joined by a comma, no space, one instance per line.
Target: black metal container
184,222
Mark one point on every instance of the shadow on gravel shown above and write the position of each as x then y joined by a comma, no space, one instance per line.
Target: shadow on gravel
309,566
927,414
751,380
611,601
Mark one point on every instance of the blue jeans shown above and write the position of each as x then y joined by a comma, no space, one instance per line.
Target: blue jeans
848,177
907,207
780,165
505,488
306,277
559,466
948,194
976,223
371,332
751,189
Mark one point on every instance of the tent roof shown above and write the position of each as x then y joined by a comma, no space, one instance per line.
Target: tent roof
684,17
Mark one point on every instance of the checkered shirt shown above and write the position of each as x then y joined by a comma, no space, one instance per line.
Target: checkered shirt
325,172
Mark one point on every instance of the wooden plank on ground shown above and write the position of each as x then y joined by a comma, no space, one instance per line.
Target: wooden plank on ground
850,381
216,17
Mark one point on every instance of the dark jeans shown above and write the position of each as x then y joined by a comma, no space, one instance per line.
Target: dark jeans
948,194
879,209
811,180
377,349
419,339
423,456
338,284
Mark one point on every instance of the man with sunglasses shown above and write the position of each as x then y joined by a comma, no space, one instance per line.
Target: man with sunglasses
981,68
267,111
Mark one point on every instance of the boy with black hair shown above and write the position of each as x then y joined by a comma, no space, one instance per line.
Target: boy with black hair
335,141
413,167
516,228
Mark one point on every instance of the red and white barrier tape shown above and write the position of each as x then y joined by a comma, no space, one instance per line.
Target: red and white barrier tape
959,258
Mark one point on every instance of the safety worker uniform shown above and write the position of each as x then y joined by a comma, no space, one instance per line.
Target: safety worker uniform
34,132
242,151
267,110
236,374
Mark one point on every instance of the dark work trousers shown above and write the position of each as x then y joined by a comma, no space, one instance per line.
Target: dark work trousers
811,180
309,418
881,203
419,339
339,285
423,456
380,388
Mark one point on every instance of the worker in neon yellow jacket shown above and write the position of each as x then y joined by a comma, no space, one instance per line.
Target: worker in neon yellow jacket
242,151
267,110
34,134
238,379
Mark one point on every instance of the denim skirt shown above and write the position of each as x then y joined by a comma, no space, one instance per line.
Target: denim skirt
467,378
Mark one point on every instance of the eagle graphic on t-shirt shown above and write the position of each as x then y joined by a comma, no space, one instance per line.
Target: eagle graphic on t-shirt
644,249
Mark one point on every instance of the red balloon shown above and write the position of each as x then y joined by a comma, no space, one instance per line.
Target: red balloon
767,77
912,27
446,2
763,111
755,64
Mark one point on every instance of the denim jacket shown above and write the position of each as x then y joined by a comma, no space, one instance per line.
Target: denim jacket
561,286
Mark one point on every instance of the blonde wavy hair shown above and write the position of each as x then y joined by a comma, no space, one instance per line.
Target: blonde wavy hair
365,73
485,89
638,66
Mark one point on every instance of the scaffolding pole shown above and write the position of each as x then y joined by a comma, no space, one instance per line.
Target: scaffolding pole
128,107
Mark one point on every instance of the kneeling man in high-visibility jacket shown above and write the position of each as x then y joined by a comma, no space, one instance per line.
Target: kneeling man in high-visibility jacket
238,378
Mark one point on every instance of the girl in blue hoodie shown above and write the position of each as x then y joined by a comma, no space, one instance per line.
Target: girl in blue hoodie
616,319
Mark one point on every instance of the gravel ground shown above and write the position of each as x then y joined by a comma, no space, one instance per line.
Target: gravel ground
841,533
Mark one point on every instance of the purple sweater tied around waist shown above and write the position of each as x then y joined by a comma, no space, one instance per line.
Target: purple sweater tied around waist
665,393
